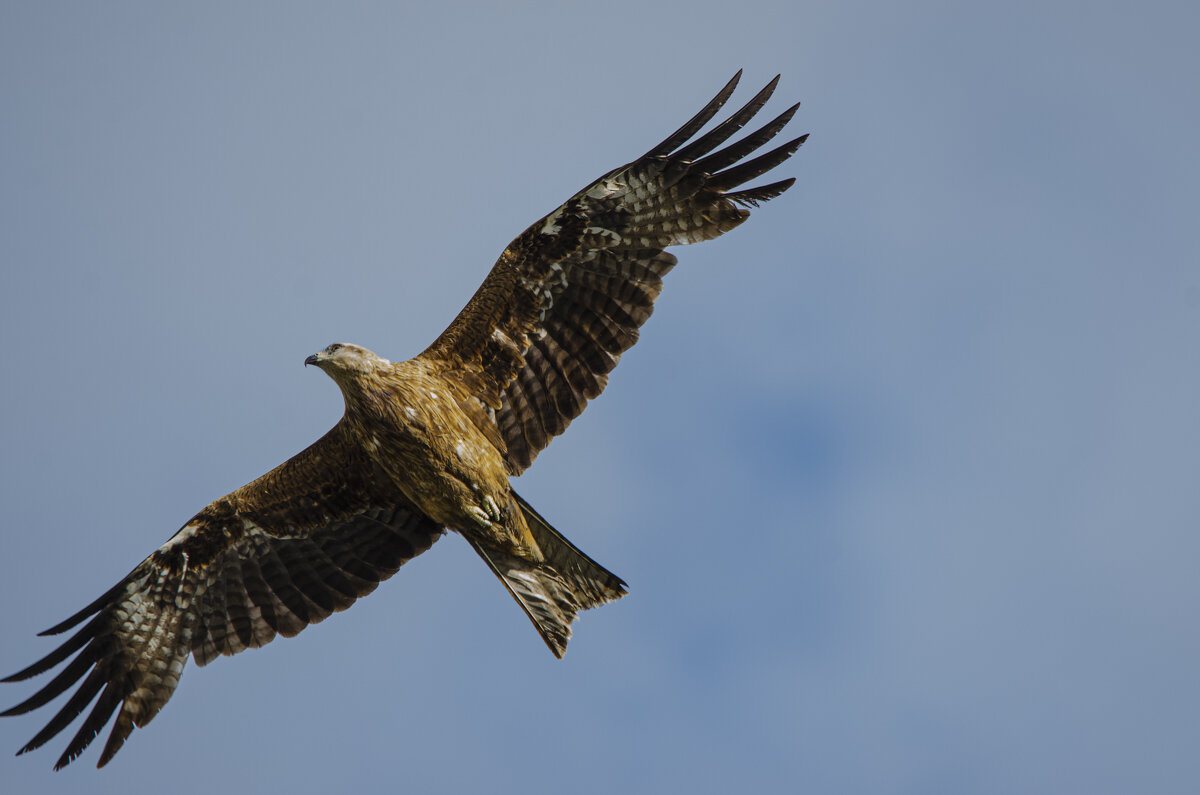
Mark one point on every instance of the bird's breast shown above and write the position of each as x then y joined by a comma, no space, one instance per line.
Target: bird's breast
432,450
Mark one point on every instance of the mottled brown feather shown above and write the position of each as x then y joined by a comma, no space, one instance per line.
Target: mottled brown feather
283,552
522,359
566,298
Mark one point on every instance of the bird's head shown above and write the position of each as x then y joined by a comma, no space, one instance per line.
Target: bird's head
344,359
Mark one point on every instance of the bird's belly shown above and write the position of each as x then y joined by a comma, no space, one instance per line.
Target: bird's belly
446,467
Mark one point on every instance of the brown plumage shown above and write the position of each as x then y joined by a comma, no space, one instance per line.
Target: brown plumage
425,445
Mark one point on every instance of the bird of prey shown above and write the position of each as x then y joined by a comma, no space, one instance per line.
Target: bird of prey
425,445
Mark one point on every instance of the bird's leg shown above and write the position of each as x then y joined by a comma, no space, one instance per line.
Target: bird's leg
479,516
486,515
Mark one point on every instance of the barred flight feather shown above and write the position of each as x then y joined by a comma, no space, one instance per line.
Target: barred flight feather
231,579
573,289
424,446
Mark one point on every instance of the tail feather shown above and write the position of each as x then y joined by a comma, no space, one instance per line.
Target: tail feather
554,590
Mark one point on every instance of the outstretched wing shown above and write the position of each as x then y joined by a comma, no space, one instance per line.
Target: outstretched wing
567,297
302,541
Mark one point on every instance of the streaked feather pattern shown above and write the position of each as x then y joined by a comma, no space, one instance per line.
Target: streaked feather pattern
283,552
425,445
568,296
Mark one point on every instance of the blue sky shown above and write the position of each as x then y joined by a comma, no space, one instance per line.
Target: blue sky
902,474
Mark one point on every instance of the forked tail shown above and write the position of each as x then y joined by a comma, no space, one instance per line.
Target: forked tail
553,591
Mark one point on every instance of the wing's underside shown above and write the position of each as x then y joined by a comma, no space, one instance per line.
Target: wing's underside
567,297
536,342
303,541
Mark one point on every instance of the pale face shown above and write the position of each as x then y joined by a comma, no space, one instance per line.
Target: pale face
346,358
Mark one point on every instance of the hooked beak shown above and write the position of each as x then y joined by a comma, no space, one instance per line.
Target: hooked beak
314,360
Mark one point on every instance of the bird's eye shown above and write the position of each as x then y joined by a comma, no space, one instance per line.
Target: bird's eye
334,347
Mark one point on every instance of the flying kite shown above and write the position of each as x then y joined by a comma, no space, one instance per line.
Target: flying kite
425,445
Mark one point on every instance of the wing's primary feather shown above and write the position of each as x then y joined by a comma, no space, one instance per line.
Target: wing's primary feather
531,348
283,552
566,298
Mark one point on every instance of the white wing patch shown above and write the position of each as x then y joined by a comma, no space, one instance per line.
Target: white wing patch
552,227
185,532
606,188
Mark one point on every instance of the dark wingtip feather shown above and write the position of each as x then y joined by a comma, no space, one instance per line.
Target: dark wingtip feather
21,676
751,197
732,177
101,712
121,730
722,132
94,607
69,712
680,136
55,687
58,655
736,151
